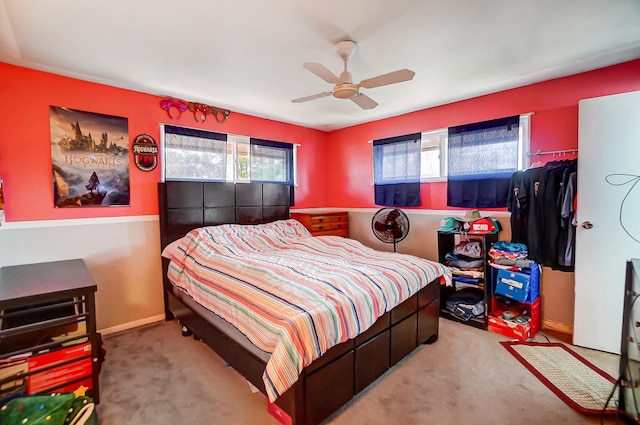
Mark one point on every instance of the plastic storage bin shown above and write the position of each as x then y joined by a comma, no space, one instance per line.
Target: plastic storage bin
523,285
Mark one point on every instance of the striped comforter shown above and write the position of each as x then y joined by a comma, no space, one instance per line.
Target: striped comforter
294,295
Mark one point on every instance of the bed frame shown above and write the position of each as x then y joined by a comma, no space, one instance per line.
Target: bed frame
343,371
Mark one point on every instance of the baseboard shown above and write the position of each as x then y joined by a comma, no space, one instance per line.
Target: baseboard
131,325
557,327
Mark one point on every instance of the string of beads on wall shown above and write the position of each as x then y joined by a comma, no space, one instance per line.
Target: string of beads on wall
175,108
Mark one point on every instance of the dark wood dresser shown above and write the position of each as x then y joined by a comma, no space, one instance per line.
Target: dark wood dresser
325,223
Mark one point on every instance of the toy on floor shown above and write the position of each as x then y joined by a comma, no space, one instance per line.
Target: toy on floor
56,409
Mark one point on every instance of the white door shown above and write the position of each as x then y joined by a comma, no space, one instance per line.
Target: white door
608,200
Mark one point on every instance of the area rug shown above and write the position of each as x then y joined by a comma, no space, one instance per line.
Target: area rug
571,377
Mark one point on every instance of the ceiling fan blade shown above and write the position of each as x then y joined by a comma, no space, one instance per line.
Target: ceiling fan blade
322,72
364,101
390,78
312,97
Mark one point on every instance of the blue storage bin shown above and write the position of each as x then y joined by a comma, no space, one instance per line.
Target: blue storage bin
522,286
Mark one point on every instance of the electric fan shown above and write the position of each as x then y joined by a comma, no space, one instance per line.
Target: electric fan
390,225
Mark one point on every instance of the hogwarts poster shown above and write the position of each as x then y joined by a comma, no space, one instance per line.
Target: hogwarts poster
90,158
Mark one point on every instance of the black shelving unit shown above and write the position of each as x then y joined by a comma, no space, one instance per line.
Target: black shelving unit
446,242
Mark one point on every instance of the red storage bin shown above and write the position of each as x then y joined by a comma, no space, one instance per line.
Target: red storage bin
512,329
45,373
277,412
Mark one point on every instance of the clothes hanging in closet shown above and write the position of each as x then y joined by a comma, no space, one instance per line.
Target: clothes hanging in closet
541,202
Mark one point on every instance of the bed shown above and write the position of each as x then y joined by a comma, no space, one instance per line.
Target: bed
328,375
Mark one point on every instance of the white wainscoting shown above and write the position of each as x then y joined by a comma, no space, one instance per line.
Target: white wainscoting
122,253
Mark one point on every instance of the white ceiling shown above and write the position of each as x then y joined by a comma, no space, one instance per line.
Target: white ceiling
247,55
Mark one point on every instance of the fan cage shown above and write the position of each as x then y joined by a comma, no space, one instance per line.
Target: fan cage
387,220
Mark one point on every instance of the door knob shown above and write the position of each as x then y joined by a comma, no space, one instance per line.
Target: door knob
587,225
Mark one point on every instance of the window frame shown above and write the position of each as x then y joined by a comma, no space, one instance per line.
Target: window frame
442,155
235,140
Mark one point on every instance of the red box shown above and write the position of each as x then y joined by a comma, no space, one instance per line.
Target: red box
52,378
512,329
277,412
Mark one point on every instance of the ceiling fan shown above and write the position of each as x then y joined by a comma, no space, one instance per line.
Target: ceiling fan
343,85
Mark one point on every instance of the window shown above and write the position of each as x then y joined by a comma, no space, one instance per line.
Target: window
482,157
238,166
396,170
194,154
271,161
433,155
483,154
191,154
435,159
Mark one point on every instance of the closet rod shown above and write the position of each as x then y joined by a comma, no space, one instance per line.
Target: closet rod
551,152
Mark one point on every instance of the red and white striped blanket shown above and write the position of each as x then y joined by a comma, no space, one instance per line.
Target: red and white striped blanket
294,295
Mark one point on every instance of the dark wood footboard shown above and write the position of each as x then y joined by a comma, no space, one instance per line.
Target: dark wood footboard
346,369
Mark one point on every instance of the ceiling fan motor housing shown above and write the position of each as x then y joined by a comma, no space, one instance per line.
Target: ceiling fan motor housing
345,90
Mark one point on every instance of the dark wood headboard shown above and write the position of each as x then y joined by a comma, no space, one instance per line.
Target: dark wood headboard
186,205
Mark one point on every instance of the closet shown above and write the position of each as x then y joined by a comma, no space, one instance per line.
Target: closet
542,205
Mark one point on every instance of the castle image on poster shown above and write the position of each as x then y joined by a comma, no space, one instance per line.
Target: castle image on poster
88,170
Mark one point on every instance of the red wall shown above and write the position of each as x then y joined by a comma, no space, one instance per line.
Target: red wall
325,160
554,126
25,152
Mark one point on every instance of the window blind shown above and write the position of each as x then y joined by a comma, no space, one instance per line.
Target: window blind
396,165
272,162
481,159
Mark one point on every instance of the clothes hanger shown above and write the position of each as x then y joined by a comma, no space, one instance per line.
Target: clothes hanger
537,163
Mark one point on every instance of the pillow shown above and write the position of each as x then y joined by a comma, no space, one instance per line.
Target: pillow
168,250
290,228
250,236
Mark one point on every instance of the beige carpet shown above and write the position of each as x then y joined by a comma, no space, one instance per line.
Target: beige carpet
152,375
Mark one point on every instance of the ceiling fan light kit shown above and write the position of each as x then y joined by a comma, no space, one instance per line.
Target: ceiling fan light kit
344,88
